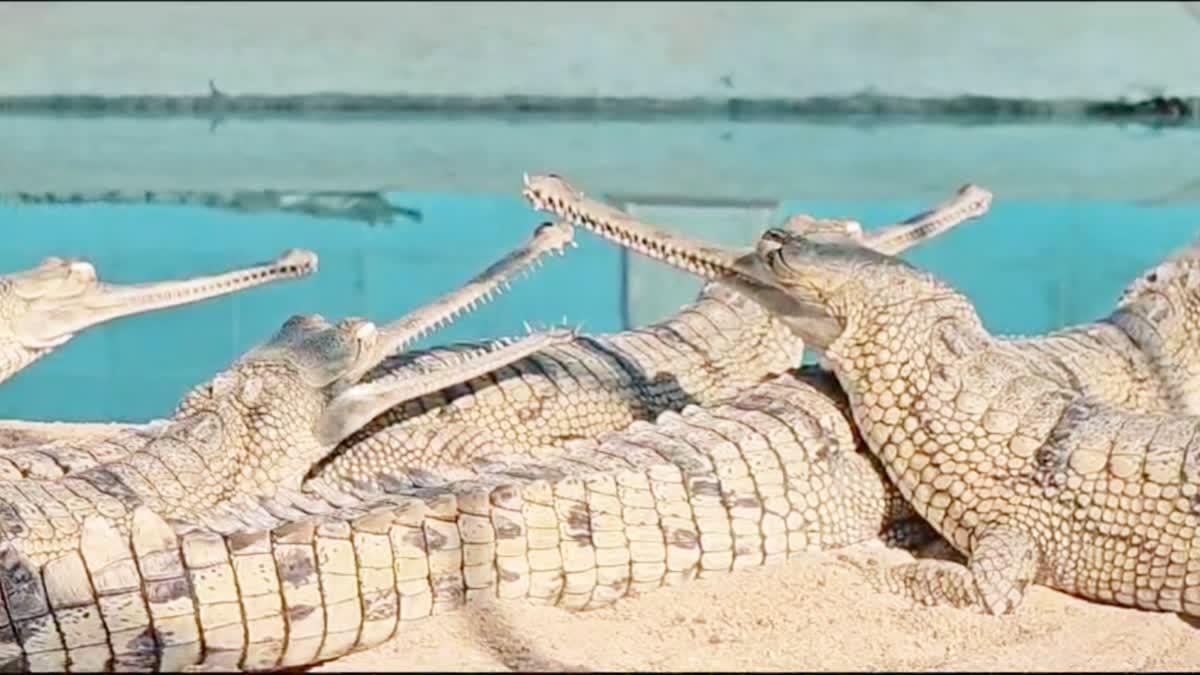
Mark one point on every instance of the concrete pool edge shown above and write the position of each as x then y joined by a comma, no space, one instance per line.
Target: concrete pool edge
1178,109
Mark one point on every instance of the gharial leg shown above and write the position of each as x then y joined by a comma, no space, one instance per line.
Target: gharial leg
1002,564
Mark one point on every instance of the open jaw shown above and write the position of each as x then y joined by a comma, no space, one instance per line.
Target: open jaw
360,402
970,201
60,298
548,238
355,407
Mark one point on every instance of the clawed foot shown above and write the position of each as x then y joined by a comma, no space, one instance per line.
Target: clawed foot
869,568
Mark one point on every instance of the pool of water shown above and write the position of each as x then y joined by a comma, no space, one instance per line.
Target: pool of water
1031,265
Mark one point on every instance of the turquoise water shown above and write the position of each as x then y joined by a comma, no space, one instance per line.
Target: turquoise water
1030,266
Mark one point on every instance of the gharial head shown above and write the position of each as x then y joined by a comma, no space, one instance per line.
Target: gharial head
44,307
820,286
289,401
273,399
1160,311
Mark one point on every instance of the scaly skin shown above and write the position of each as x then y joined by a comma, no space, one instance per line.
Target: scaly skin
1160,312
710,351
1034,482
774,472
43,308
1144,357
1031,479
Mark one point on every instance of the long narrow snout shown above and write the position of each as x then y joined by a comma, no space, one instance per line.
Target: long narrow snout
552,194
51,321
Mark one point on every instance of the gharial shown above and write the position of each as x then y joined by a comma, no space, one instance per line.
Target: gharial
724,473
42,308
771,473
1033,480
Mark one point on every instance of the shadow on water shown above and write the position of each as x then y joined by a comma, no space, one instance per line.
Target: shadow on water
371,208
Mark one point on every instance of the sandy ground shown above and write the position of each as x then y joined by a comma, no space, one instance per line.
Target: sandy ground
813,613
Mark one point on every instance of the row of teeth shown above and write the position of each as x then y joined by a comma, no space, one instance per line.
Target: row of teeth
973,209
291,270
281,271
626,239
497,288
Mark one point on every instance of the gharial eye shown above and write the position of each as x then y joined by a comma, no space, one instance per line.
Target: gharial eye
776,234
1152,277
